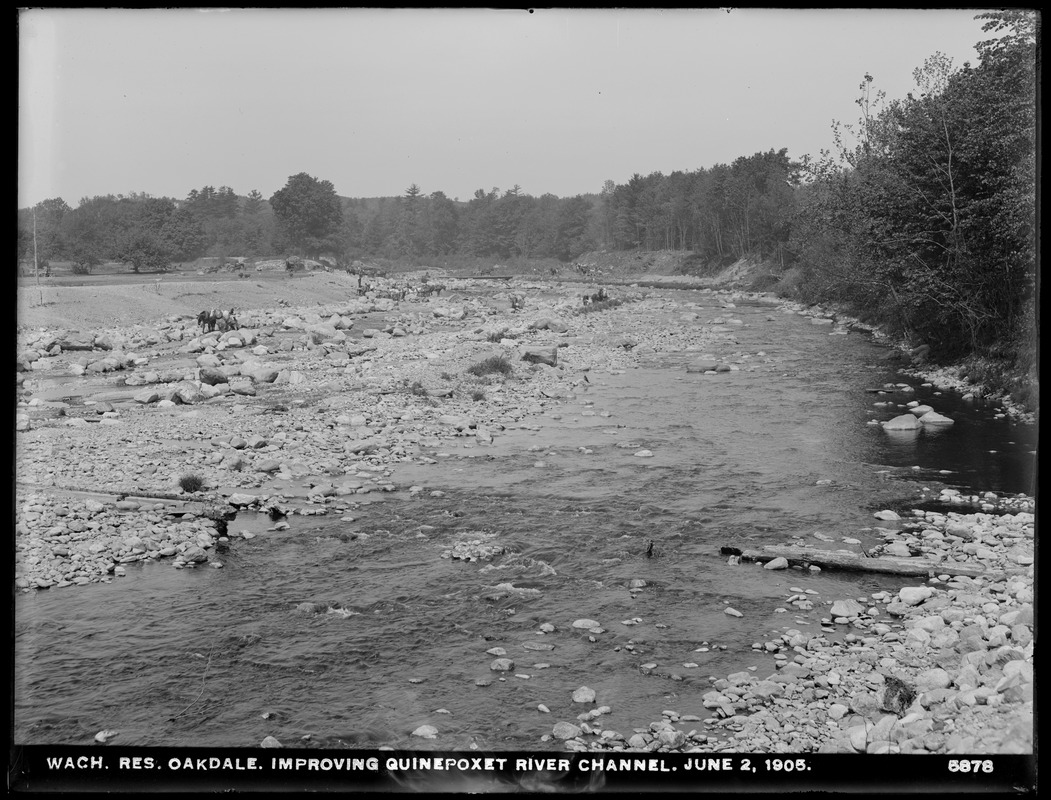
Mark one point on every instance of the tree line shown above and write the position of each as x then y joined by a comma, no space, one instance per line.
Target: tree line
728,210
923,214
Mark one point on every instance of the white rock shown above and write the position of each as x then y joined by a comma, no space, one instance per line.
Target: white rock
934,418
565,730
584,695
914,595
846,608
905,422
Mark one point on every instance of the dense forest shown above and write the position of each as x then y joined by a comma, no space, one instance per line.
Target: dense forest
923,215
745,208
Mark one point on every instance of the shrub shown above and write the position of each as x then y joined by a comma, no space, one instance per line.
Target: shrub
191,483
477,395
416,387
491,365
600,305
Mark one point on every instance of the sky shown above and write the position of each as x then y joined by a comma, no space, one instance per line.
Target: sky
164,101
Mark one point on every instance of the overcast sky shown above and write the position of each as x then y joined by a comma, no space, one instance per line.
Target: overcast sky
166,101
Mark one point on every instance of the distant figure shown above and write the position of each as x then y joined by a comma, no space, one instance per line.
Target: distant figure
517,302
228,320
210,319
597,297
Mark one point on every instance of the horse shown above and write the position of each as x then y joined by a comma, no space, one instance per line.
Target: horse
206,319
210,319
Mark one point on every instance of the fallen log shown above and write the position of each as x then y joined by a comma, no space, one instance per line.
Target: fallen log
837,559
177,504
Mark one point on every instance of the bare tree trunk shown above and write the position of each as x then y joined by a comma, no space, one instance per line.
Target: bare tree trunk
36,265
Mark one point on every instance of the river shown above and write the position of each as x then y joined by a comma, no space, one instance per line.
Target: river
612,506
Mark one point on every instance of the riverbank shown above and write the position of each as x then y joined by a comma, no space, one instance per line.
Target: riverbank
944,666
311,407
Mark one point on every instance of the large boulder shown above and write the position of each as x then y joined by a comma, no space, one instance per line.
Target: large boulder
209,360
847,608
904,422
546,323
263,374
212,376
934,418
75,340
321,332
186,392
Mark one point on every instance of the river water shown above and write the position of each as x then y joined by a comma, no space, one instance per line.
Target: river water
777,450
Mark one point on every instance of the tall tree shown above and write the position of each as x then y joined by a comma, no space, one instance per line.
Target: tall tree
442,224
934,208
51,243
310,212
253,203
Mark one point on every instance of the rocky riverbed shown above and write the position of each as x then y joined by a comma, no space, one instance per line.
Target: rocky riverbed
306,408
942,666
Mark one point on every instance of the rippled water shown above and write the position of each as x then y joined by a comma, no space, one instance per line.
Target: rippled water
212,657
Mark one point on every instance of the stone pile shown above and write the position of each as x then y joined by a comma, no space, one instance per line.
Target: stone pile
74,542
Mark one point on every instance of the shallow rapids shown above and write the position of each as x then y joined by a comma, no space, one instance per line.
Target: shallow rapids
612,506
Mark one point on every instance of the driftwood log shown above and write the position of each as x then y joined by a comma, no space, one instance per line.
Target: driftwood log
836,559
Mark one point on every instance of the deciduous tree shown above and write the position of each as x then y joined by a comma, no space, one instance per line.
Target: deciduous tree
311,213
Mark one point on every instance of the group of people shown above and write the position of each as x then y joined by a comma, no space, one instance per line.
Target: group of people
399,291
213,319
597,297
